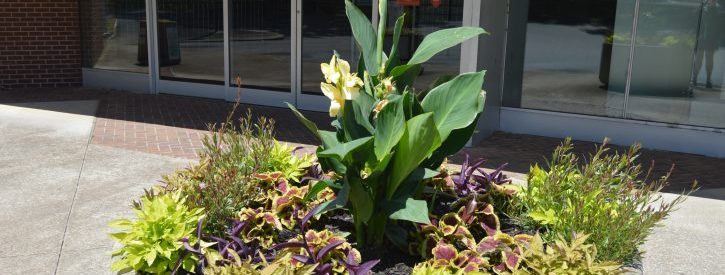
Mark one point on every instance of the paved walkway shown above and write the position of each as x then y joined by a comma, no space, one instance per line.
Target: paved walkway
65,173
58,191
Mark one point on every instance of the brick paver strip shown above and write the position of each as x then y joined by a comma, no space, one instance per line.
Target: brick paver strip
174,126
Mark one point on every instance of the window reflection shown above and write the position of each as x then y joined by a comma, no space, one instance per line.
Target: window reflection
191,40
677,72
574,59
261,43
113,35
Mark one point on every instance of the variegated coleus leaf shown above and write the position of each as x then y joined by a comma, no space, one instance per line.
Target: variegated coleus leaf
267,184
447,256
450,229
480,214
504,251
263,226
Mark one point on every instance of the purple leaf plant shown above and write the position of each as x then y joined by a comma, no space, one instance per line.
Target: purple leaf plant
312,257
474,180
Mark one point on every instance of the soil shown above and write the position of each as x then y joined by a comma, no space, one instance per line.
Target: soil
393,261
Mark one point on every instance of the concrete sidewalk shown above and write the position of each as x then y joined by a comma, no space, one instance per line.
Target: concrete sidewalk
58,192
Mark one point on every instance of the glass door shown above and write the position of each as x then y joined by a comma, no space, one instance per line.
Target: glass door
261,47
190,47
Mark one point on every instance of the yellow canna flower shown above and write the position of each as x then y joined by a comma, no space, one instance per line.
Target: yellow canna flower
337,99
335,108
340,84
330,71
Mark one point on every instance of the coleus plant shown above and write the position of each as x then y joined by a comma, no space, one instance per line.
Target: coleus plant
326,252
454,248
225,250
286,201
388,138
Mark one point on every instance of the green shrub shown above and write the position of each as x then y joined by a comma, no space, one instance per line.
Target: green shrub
604,197
562,257
151,243
230,158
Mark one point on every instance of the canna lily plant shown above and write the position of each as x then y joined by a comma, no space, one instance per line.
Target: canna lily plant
389,137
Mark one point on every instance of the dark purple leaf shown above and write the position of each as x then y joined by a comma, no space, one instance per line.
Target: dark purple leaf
303,259
363,269
329,247
324,269
290,244
307,217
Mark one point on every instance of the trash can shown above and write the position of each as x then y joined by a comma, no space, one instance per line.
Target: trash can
168,47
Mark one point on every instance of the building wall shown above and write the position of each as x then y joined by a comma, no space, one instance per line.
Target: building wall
39,43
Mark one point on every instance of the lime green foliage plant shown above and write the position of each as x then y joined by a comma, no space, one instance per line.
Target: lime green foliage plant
563,257
231,156
606,197
151,243
389,137
282,158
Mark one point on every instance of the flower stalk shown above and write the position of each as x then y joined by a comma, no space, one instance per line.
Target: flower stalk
382,28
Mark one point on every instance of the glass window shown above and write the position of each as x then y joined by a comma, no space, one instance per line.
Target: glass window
574,60
261,43
191,40
423,17
679,63
114,36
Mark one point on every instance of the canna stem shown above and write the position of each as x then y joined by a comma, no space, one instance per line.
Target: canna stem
382,28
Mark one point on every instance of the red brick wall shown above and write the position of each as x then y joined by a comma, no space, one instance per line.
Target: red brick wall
39,43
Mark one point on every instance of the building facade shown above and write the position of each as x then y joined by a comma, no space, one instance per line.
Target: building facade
649,71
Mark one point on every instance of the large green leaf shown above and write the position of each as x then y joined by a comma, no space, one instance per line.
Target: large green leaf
440,40
411,184
391,121
394,59
416,144
456,103
362,202
405,75
329,139
413,210
364,34
355,118
454,143
311,126
341,151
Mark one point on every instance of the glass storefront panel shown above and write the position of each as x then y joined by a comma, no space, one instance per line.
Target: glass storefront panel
325,29
191,40
573,60
113,35
679,63
261,43
423,17
576,59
